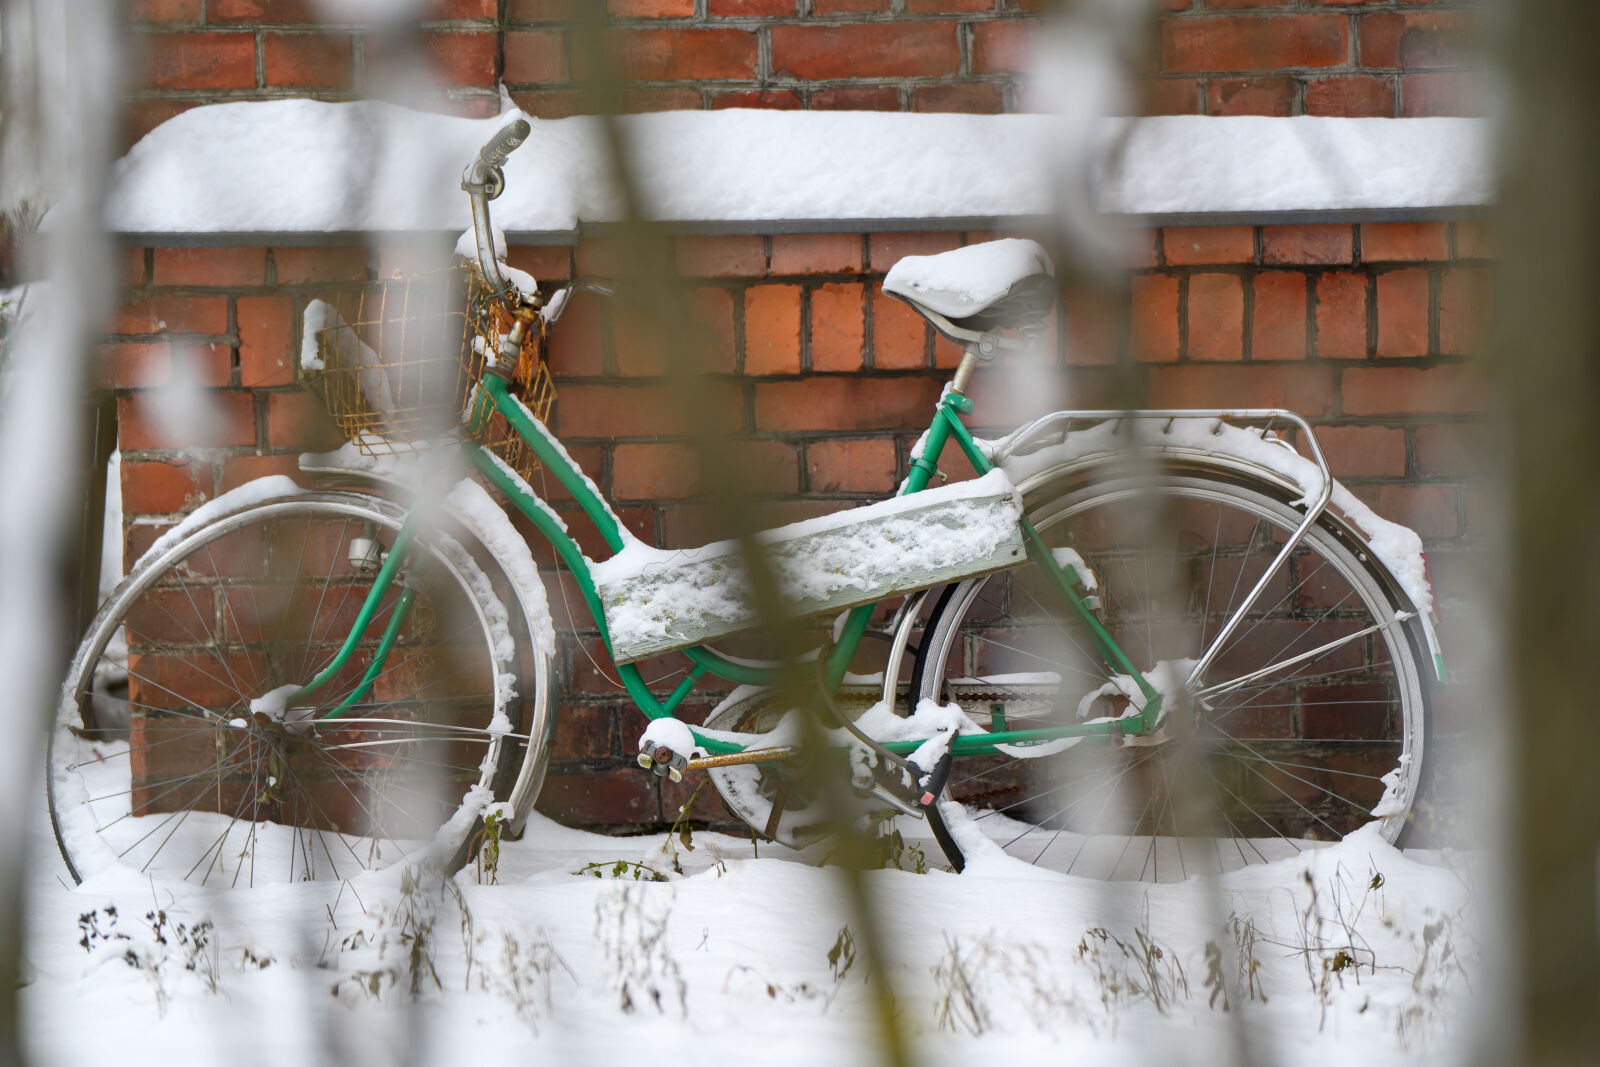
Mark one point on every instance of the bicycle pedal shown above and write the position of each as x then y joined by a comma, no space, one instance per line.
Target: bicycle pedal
893,784
662,761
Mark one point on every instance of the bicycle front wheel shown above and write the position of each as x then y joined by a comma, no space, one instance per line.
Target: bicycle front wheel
1310,723
175,752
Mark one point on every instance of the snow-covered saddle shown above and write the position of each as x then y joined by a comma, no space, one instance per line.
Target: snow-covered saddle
997,284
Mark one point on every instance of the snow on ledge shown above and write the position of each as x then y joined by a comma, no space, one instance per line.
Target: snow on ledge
304,166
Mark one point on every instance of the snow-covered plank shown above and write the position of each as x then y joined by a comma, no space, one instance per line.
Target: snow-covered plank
656,600
306,166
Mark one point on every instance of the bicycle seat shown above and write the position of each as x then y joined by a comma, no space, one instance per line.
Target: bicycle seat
998,284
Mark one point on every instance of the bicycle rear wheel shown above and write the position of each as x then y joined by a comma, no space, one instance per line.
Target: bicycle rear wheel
1311,723
173,752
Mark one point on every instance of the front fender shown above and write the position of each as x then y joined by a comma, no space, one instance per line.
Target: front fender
471,506
1235,444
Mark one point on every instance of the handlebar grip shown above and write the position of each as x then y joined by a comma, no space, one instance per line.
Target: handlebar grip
504,142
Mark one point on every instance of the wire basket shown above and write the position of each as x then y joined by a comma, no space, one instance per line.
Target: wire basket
400,357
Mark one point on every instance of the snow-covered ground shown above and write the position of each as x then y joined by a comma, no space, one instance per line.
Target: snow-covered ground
1352,953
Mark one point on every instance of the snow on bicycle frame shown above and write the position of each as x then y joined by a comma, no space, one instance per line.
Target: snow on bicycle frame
659,601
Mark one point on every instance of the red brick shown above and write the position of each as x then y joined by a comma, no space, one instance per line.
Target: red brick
1169,96
266,327
836,7
460,60
583,732
576,346
237,470
673,471
210,266
1250,96
750,7
173,314
654,472
818,253
1295,245
851,466
712,312
535,56
1391,242
296,420
1300,387
134,365
203,61
1215,316
607,411
1430,510
838,403
1363,451
548,263
637,341
838,327
770,99
1466,305
1091,326
772,329
1155,317
856,98
681,55
1350,96
887,249
1402,297
542,10
130,269
1454,448
1448,389
1341,317
165,11
1203,245
307,60
1420,39
558,104
1473,240
899,334
649,9
873,50
1278,316
1001,47
462,9
1244,43
142,116
302,266
720,257
139,426
970,99
590,798
1443,94
638,101
939,7
155,488
269,11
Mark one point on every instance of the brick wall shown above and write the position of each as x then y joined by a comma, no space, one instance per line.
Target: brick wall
1364,329
1216,57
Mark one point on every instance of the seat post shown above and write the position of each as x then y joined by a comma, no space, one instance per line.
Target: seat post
969,363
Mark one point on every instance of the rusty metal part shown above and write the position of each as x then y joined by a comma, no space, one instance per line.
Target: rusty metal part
753,755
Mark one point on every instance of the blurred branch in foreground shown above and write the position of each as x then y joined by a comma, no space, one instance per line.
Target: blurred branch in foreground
1546,349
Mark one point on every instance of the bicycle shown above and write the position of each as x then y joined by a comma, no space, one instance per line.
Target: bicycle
1121,606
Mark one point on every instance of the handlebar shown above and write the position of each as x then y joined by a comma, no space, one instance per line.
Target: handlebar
503,143
483,181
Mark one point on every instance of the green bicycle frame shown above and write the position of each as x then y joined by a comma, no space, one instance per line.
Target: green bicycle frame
495,396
